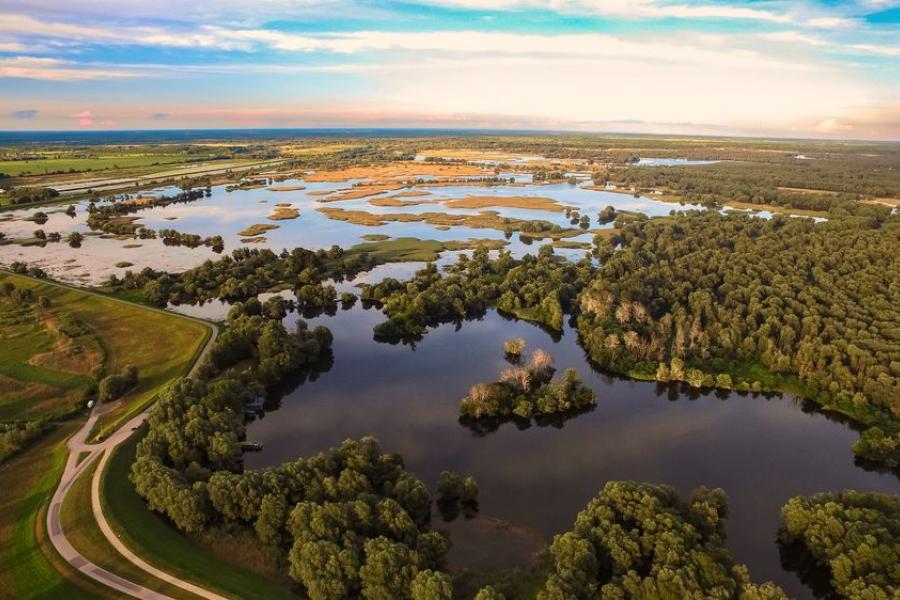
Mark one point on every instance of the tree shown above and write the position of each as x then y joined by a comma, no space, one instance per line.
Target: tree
450,487
388,571
469,495
431,585
74,239
489,593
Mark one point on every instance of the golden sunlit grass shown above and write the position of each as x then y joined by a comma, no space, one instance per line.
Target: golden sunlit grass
283,213
528,202
256,229
398,170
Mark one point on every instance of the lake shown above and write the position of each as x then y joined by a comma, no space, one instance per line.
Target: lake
761,450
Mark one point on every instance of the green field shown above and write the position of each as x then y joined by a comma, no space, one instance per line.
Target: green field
28,481
161,345
51,166
42,374
157,542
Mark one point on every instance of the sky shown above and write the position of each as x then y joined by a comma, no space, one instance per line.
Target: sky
797,68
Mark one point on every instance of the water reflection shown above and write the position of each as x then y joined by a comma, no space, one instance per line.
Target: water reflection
227,213
761,450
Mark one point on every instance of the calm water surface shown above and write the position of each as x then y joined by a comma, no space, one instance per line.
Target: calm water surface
762,451
227,213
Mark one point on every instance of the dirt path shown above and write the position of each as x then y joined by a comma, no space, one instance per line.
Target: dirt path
78,446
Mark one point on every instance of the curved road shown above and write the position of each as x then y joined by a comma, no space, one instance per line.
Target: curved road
78,446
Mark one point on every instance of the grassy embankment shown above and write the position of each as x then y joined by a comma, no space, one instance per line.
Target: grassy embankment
161,346
29,567
81,529
211,565
41,371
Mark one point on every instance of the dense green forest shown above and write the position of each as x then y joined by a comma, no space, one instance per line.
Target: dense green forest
639,540
813,185
347,522
855,536
247,272
737,301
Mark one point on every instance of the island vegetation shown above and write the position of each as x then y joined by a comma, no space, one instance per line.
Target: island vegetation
528,391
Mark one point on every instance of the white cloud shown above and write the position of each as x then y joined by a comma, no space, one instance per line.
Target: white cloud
629,9
792,37
877,50
833,22
832,126
30,67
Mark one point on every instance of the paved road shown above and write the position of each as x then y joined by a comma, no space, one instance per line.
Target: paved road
78,446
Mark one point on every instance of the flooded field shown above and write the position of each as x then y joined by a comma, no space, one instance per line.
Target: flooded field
227,213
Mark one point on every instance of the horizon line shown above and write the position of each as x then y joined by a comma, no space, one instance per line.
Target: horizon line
474,130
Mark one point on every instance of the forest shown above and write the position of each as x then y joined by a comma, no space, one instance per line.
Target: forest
855,536
814,185
540,289
738,302
638,540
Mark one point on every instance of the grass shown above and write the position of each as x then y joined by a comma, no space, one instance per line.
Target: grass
160,544
283,213
81,529
396,201
30,387
49,166
161,345
29,567
529,202
406,249
398,170
400,250
257,229
486,219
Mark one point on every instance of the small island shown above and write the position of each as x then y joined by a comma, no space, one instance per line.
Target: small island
528,390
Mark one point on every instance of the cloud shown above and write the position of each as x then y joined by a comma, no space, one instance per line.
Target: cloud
30,67
87,119
84,118
159,116
864,121
792,37
832,22
24,114
832,126
877,50
628,9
